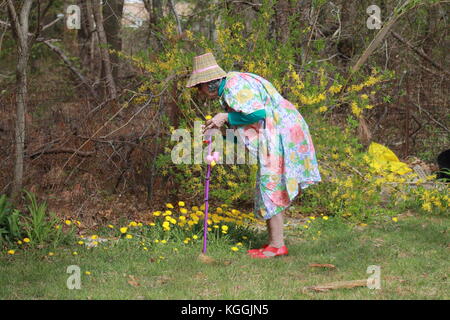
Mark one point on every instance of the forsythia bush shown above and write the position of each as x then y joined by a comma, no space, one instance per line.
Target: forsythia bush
350,188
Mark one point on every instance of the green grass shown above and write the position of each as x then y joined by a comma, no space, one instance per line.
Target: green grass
412,254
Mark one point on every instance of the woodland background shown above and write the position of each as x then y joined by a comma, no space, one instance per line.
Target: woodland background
86,115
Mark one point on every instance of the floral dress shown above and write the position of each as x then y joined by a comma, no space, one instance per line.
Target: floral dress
281,143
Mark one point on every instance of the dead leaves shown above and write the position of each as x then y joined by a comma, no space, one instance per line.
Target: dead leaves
156,281
133,281
206,259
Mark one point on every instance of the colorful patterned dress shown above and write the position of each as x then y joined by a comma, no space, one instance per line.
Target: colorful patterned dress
281,143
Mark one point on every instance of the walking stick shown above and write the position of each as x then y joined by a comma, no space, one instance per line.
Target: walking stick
210,160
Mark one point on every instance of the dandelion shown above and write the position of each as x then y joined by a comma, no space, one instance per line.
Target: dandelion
132,224
305,226
181,203
427,206
94,237
11,252
80,242
395,219
208,117
156,241
74,253
129,236
68,222
123,230
110,226
156,213
195,237
183,210
235,249
50,254
325,217
169,205
239,244
88,273
145,248
19,242
163,241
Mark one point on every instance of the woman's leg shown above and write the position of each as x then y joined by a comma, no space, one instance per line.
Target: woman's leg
275,228
269,233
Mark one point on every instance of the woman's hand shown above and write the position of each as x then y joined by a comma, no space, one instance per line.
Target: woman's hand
216,122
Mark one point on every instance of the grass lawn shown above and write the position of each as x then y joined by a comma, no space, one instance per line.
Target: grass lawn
412,254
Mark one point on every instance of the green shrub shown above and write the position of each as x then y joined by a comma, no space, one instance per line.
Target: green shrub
42,226
9,221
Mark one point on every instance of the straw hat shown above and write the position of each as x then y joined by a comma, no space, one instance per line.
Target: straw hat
205,69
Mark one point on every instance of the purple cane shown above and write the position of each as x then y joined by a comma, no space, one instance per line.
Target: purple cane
209,159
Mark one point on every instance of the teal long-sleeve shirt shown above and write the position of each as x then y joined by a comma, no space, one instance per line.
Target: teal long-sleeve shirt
240,119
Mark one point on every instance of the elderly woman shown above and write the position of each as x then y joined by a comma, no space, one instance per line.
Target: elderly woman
253,105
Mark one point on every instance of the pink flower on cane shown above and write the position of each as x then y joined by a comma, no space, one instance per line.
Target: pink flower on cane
296,133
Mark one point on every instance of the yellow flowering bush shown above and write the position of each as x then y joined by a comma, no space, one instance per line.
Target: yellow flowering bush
350,188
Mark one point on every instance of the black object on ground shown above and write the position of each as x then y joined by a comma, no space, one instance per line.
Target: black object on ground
443,161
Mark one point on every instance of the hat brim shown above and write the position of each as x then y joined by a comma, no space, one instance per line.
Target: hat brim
206,76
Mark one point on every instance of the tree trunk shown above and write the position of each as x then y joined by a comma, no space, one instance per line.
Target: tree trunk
113,16
155,12
20,27
106,61
282,12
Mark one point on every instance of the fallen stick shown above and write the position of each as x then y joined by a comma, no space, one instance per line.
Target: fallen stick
322,265
338,285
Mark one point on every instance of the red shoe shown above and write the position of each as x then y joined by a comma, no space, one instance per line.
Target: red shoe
283,251
254,251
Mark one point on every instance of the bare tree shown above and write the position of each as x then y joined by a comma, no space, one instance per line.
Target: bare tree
20,27
103,42
113,10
